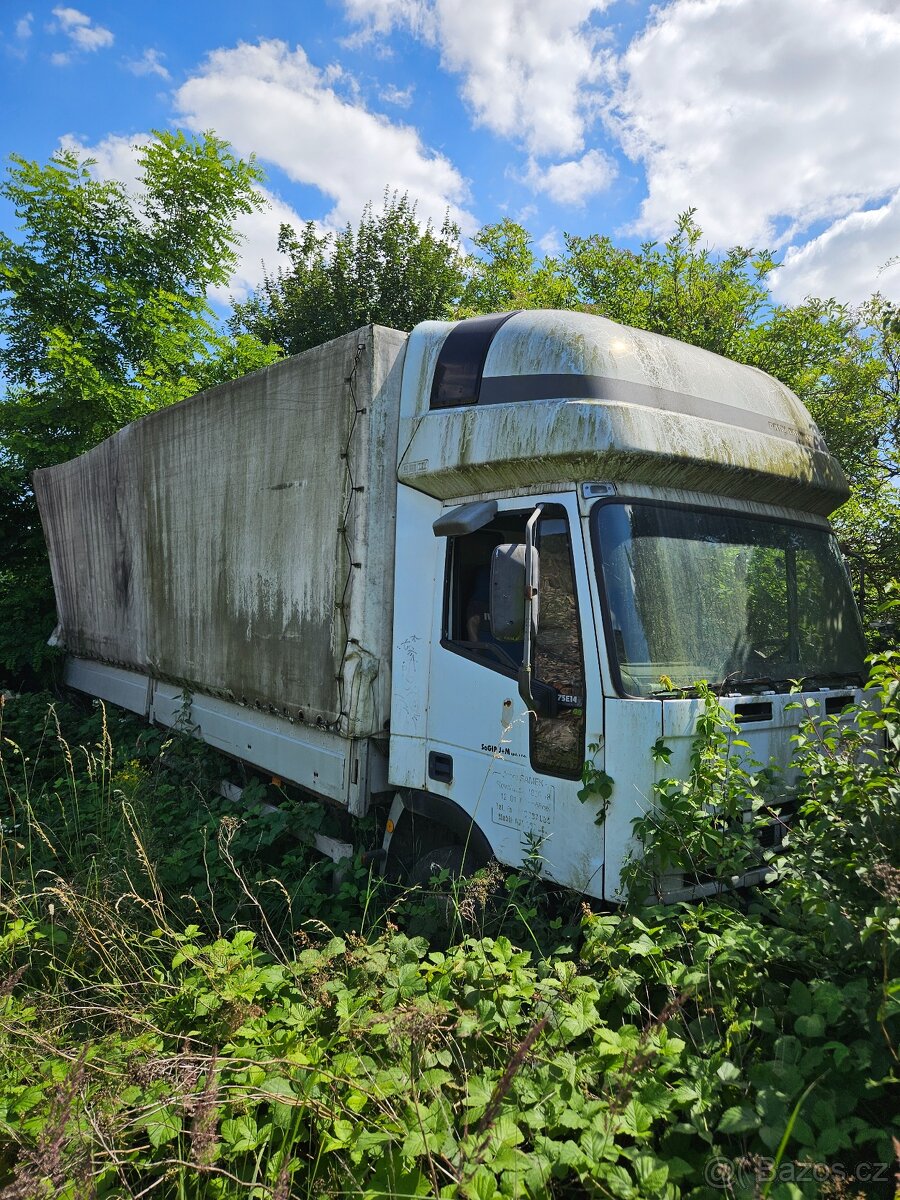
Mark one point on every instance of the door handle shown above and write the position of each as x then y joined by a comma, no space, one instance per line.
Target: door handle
440,767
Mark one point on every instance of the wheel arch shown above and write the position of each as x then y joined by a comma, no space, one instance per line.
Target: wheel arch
442,811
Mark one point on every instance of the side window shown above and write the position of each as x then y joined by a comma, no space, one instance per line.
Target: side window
467,622
557,743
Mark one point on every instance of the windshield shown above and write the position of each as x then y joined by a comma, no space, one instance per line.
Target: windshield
696,594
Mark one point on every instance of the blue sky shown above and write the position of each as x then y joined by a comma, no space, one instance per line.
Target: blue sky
778,119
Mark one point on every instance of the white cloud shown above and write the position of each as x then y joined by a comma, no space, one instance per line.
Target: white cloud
258,249
81,32
529,67
270,100
402,97
114,157
572,182
852,259
550,243
767,115
381,16
17,45
117,158
149,64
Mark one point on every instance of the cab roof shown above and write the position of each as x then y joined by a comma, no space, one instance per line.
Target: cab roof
545,397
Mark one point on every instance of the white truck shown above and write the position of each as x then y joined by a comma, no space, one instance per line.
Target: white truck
439,571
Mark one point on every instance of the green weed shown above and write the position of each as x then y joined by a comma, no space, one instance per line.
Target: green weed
189,1008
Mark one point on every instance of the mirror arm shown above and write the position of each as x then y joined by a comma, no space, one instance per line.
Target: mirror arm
525,670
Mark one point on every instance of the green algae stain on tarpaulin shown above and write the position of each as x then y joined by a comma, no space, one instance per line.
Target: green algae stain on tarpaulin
211,544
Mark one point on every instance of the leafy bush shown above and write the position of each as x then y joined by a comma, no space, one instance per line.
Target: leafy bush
177,1017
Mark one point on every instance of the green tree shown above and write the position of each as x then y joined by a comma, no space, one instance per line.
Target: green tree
838,359
506,274
870,522
387,270
882,317
103,317
677,288
822,351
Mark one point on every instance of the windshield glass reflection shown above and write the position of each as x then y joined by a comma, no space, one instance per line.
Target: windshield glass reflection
697,594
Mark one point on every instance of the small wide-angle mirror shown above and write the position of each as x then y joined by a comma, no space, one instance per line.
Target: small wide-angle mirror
509,592
545,699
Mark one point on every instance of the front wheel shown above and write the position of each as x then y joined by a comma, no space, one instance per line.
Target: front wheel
452,859
421,848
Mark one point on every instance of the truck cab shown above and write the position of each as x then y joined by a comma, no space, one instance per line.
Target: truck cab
672,508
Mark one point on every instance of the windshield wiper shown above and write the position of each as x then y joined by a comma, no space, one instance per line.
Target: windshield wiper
733,684
806,682
841,678
725,688
753,681
689,689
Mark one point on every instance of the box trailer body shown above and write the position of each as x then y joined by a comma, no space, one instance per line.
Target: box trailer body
307,554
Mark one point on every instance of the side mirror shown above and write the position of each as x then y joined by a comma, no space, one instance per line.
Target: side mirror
510,592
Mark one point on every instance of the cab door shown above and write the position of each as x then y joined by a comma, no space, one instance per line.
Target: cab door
515,772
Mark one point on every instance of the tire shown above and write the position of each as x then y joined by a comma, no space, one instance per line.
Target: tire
443,858
417,842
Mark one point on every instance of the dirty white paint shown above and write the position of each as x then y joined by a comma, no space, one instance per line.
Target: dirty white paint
417,568
475,716
631,727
